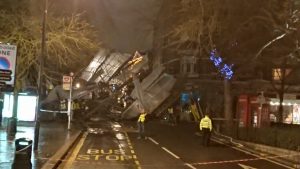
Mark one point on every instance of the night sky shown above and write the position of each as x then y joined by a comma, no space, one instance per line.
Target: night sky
124,25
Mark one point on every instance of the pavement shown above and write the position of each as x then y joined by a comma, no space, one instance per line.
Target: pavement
54,141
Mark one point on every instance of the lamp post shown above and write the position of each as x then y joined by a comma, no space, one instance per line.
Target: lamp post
41,67
70,112
73,76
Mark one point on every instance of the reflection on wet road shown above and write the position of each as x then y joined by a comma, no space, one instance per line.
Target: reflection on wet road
104,145
112,146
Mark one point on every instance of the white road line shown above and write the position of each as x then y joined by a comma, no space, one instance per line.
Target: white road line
230,138
170,152
263,158
151,139
189,165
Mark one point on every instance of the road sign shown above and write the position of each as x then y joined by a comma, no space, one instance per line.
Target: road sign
5,72
67,82
5,78
5,75
261,99
2,84
8,55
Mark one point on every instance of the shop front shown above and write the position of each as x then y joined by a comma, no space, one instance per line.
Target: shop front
291,111
26,107
253,112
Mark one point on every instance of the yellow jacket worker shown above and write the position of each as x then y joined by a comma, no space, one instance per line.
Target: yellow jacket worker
206,127
141,124
142,117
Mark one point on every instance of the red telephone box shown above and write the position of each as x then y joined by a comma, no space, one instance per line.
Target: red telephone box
252,112
254,109
243,110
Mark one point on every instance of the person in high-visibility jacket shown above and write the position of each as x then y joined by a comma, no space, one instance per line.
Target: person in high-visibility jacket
141,124
206,127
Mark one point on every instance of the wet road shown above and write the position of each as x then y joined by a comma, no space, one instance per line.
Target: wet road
110,145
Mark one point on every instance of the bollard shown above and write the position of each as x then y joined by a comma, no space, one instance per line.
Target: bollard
11,126
23,149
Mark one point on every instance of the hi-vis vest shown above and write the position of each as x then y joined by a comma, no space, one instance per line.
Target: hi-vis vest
170,110
205,123
142,117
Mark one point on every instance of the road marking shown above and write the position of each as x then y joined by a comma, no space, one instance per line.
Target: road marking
136,161
230,138
76,151
258,157
151,139
246,166
189,165
170,152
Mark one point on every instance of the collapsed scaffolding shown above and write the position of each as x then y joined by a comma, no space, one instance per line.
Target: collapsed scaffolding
151,88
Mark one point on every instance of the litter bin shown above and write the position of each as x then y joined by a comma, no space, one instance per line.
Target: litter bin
23,149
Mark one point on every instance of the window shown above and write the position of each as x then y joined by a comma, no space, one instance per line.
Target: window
277,73
188,67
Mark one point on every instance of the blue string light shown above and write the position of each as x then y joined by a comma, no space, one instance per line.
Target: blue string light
224,69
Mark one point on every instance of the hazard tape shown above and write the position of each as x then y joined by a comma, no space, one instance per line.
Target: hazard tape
241,160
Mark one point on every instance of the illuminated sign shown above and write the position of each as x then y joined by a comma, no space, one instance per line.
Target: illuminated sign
8,55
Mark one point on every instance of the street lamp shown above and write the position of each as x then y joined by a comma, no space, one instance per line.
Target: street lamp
41,67
77,85
70,113
73,76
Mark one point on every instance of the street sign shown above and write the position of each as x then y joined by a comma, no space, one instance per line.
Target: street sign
5,72
5,75
5,78
67,82
261,99
8,55
2,84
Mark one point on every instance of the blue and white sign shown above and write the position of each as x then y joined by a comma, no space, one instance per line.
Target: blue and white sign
8,54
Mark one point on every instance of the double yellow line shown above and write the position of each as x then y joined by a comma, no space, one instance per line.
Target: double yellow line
73,156
134,157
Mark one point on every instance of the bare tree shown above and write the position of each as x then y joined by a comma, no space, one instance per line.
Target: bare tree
240,30
283,44
71,43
